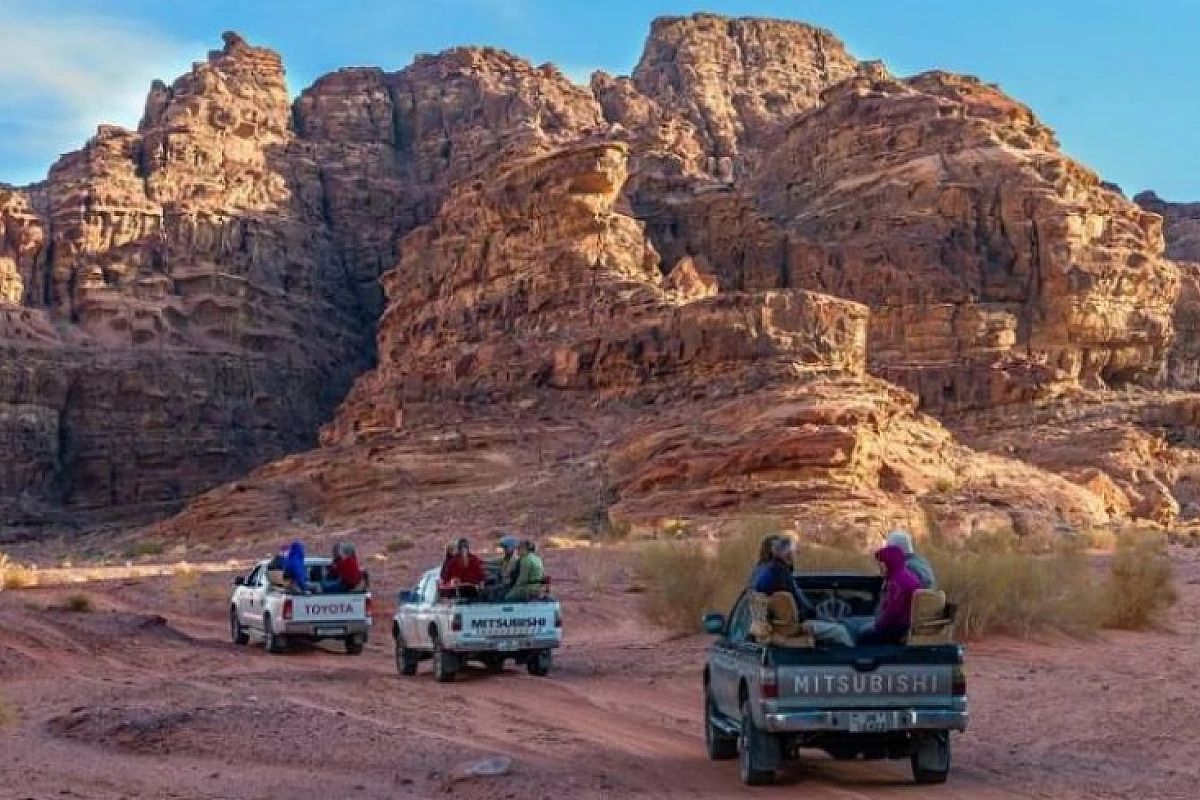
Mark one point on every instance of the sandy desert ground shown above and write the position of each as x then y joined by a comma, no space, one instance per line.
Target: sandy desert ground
145,697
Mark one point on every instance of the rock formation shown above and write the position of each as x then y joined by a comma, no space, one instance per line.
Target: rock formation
739,279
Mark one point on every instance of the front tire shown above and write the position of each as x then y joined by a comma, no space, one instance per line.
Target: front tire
236,632
931,759
753,753
445,665
539,663
354,645
721,746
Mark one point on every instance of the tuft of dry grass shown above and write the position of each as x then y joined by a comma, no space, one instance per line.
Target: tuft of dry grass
16,576
398,544
8,714
1002,583
601,568
78,603
1140,586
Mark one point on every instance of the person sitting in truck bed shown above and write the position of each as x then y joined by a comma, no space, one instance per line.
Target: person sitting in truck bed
345,568
917,565
465,569
776,576
294,569
893,618
530,579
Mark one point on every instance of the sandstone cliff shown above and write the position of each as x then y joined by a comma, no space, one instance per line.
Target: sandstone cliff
738,280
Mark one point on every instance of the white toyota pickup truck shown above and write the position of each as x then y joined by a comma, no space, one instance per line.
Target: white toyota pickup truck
280,617
450,632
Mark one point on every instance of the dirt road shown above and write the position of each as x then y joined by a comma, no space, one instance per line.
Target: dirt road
119,704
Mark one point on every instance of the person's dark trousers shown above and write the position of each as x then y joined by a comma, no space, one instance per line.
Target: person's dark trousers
891,634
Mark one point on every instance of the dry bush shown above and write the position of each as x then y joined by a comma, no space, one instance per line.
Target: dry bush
398,544
8,713
601,568
183,583
1002,583
15,576
146,547
1140,586
78,603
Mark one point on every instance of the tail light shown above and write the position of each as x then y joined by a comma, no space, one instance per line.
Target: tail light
768,684
456,623
287,608
558,619
368,606
958,686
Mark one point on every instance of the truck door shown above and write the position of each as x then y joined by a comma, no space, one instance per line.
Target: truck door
247,597
726,666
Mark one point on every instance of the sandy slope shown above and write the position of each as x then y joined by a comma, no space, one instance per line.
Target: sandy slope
116,704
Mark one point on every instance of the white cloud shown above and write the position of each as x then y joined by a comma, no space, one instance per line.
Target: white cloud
61,76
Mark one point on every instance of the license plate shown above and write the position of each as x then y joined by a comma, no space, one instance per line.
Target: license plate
331,631
870,722
510,645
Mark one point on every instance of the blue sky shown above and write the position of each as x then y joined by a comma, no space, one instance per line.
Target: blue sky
1116,78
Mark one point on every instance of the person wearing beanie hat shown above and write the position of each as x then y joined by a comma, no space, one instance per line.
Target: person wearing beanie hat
917,565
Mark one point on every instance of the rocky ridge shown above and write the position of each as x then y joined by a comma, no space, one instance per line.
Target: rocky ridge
683,290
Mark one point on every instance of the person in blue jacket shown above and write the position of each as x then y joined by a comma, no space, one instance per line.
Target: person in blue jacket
775,575
294,568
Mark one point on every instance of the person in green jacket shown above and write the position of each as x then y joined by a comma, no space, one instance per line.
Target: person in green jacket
531,573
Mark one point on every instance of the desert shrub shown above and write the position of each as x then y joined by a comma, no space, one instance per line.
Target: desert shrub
78,603
1139,588
1002,583
600,568
15,576
1018,593
398,544
8,713
146,547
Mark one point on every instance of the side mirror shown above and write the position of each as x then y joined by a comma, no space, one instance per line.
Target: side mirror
406,597
239,581
714,623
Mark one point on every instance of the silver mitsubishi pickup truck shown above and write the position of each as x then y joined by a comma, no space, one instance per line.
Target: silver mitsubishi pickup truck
763,702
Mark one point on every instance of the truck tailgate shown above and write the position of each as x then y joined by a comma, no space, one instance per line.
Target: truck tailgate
884,678
509,620
329,608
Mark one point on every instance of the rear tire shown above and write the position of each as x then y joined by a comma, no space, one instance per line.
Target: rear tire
445,665
752,755
539,663
354,645
236,632
721,746
406,660
272,642
931,759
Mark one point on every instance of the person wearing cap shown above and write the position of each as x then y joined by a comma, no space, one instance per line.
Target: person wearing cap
917,565
508,560
531,573
776,575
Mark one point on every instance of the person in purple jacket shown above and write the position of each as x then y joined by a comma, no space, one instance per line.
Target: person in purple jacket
894,615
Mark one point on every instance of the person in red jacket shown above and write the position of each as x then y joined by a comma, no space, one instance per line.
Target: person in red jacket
345,567
464,569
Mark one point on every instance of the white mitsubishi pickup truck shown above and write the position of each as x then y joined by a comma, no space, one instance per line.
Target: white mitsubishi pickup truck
280,617
450,631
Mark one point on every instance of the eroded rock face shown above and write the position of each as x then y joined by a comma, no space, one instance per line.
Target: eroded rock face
1181,225
178,312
